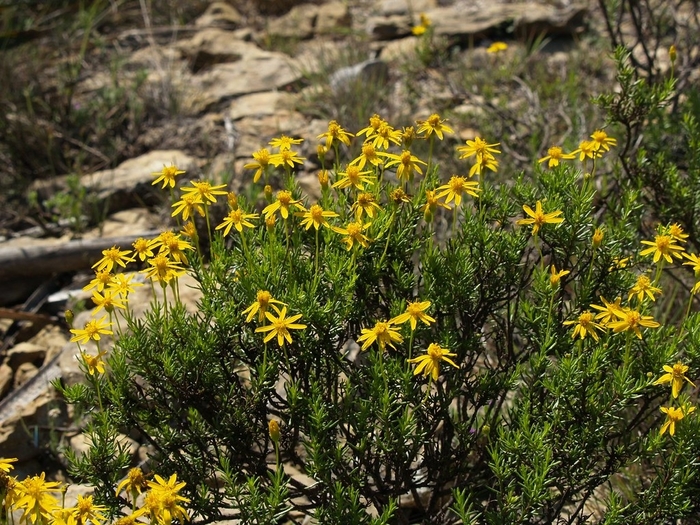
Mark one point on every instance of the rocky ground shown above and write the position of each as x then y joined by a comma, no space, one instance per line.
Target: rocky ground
236,76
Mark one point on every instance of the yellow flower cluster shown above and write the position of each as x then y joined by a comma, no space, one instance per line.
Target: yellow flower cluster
599,144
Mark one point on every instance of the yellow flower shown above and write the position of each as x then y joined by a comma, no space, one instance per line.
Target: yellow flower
262,301
375,122
94,363
365,203
102,279
315,216
163,269
63,516
163,500
431,204
112,256
167,176
172,245
323,178
597,239
538,218
6,464
602,141
662,246
282,203
237,219
418,30
134,482
415,311
205,190
92,330
643,288
262,161
35,499
353,177
497,47
286,157
408,135
106,301
406,164
587,149
353,234
86,511
555,276
456,187
554,155
142,248
675,375
385,134
187,205
383,333
584,325
284,142
423,26
429,364
673,416
608,313
694,261
369,154
630,321
280,326
483,152
273,428
433,124
335,132
676,231
122,285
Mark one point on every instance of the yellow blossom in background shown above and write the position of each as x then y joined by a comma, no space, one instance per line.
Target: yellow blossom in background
383,333
555,276
694,261
421,28
431,204
433,124
189,230
429,364
352,177
63,516
398,196
676,376
676,231
406,164
415,311
263,300
335,133
315,216
284,142
643,288
323,178
6,464
554,155
167,176
608,312
163,500
142,248
585,324
112,256
282,203
187,206
538,218
673,416
369,154
601,140
35,498
497,47
205,190
261,160
134,483
102,279
365,203
672,53
456,187
587,149
280,325
375,122
483,153
93,329
353,233
86,510
662,246
631,321
237,219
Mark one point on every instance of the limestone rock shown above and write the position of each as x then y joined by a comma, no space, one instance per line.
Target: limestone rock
406,7
214,46
367,71
24,373
6,375
260,104
332,17
26,353
220,14
297,23
389,27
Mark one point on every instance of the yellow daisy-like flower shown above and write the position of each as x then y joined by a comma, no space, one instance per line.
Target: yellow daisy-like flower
262,301
457,186
316,216
415,311
555,276
163,500
6,464
92,330
676,231
352,177
383,333
237,219
170,243
694,261
134,483
429,364
142,248
107,301
554,155
353,234
631,321
676,376
433,124
365,203
35,499
282,204
167,176
643,288
497,47
538,218
609,312
121,284
112,256
663,246
602,140
375,122
431,204
673,416
261,160
286,157
86,510
585,324
587,149
162,269
406,164
284,142
335,132
187,206
369,154
102,279
280,325
479,148
205,190
385,134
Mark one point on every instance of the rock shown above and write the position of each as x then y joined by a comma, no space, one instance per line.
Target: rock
6,375
127,222
403,49
367,71
52,338
261,104
221,15
24,373
213,46
406,7
25,353
298,23
332,17
389,27
310,186
257,132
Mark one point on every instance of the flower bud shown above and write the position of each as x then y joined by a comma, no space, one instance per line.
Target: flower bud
597,238
267,190
323,178
274,429
321,151
232,200
672,53
69,317
270,222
